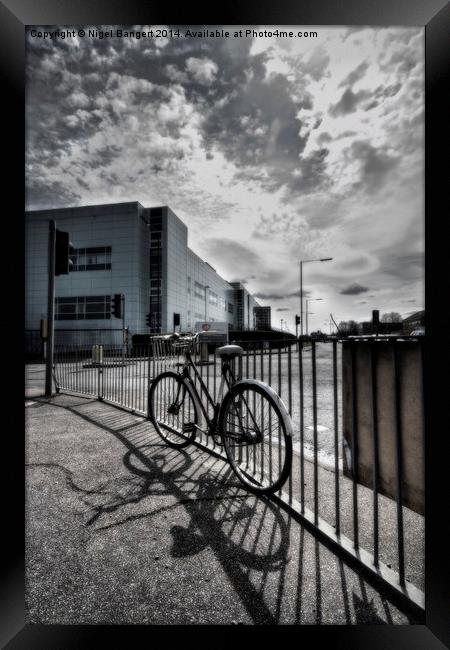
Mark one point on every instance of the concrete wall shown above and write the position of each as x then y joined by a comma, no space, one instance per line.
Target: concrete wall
411,410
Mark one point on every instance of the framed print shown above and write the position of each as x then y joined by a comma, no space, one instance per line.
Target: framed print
182,170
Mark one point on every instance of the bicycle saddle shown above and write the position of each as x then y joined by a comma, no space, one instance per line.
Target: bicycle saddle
230,351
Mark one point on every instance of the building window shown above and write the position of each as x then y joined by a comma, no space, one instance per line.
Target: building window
83,308
92,259
199,290
230,308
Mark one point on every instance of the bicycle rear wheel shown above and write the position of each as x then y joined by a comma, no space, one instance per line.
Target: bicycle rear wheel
173,409
257,435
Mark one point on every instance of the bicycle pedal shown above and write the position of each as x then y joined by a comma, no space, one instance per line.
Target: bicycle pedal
189,427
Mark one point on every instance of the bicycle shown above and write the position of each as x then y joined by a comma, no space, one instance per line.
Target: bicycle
250,421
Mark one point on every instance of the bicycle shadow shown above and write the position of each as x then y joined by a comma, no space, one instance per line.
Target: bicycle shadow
248,535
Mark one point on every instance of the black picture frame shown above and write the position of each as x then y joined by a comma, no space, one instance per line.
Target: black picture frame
14,16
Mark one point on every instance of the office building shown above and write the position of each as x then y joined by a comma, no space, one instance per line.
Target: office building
244,305
139,252
262,318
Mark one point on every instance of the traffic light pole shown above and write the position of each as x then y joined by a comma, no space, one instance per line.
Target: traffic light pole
50,308
123,318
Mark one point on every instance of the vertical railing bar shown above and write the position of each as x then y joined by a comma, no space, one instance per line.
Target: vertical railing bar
147,385
315,440
375,461
279,393
261,370
336,442
269,378
423,395
302,426
122,369
117,371
354,446
289,380
399,466
143,364
215,377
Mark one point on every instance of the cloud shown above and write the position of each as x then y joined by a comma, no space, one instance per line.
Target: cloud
375,164
202,70
348,103
355,75
236,260
353,289
281,296
317,63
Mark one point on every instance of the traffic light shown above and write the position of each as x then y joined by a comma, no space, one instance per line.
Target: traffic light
63,253
117,305
44,329
297,320
148,320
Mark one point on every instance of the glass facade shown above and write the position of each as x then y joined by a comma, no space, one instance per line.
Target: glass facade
91,259
83,308
156,273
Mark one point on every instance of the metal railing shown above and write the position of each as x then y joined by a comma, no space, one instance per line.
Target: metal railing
358,516
81,338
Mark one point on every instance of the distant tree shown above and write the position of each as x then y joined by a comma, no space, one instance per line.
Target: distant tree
349,328
391,317
353,327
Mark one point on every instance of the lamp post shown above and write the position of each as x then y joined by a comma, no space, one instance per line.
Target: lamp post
206,293
322,259
307,312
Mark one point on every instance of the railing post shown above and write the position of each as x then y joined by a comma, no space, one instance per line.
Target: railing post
148,381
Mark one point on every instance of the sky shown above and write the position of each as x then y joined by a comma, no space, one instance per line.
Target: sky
271,150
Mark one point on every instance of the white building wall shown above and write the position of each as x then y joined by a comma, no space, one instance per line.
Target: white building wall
174,270
118,226
200,272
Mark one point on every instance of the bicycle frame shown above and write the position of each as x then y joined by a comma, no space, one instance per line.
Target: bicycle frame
226,375
227,378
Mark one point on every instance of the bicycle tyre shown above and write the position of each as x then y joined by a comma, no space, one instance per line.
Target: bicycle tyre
170,390
256,431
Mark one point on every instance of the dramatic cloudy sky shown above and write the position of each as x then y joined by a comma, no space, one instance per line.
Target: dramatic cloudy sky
270,150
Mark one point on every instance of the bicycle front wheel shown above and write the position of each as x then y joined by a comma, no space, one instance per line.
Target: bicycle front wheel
257,435
173,409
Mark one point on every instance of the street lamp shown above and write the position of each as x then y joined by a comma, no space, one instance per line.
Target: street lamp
206,293
307,312
322,259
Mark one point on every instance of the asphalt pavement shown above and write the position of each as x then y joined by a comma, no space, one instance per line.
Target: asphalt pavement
122,529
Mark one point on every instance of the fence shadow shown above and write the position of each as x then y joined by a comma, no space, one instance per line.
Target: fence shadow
276,569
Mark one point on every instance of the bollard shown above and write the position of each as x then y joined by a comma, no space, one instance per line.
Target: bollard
204,355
